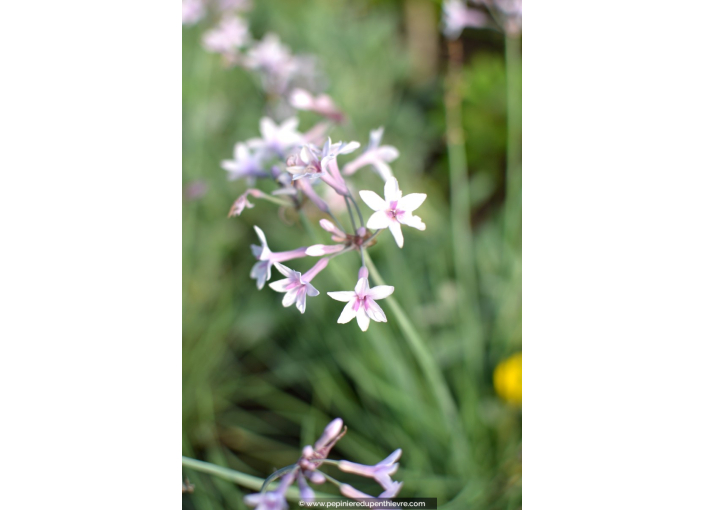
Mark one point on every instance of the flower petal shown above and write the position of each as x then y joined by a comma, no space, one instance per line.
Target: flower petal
379,219
286,271
311,291
348,313
395,228
362,319
374,311
261,236
412,221
373,200
318,250
280,286
301,298
411,202
362,287
343,295
349,147
380,291
391,191
290,297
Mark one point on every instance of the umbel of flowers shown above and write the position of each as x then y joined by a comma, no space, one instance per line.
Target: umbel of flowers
307,470
303,167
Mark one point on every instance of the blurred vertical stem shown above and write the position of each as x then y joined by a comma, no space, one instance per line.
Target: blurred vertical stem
460,205
432,372
512,220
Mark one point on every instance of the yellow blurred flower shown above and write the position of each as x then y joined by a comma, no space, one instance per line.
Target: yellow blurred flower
508,379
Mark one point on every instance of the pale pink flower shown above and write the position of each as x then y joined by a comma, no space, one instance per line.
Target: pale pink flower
381,472
394,210
375,155
192,11
296,285
361,302
322,105
271,500
265,257
307,493
457,16
313,455
274,60
277,140
247,164
228,37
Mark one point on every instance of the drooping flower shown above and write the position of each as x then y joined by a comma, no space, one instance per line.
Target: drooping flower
296,285
312,456
361,302
375,155
275,62
381,472
243,203
277,140
227,38
307,493
457,16
261,272
271,500
247,164
394,210
322,105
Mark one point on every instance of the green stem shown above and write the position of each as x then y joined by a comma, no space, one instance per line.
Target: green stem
273,199
359,213
276,474
432,373
349,211
245,480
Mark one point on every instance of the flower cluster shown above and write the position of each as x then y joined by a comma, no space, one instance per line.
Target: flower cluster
307,469
298,167
506,14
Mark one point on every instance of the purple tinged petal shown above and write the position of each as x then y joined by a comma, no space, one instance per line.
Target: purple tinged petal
352,493
331,431
374,201
357,469
330,227
312,291
252,499
393,457
379,220
349,147
348,313
395,228
286,271
313,271
315,477
362,319
307,493
392,491
343,295
411,202
290,298
301,298
281,285
381,291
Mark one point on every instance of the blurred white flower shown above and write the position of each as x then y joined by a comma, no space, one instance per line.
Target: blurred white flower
261,272
277,140
393,210
227,38
192,11
375,155
322,105
457,16
246,164
274,60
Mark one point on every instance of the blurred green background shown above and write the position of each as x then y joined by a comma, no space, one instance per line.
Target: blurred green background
261,381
